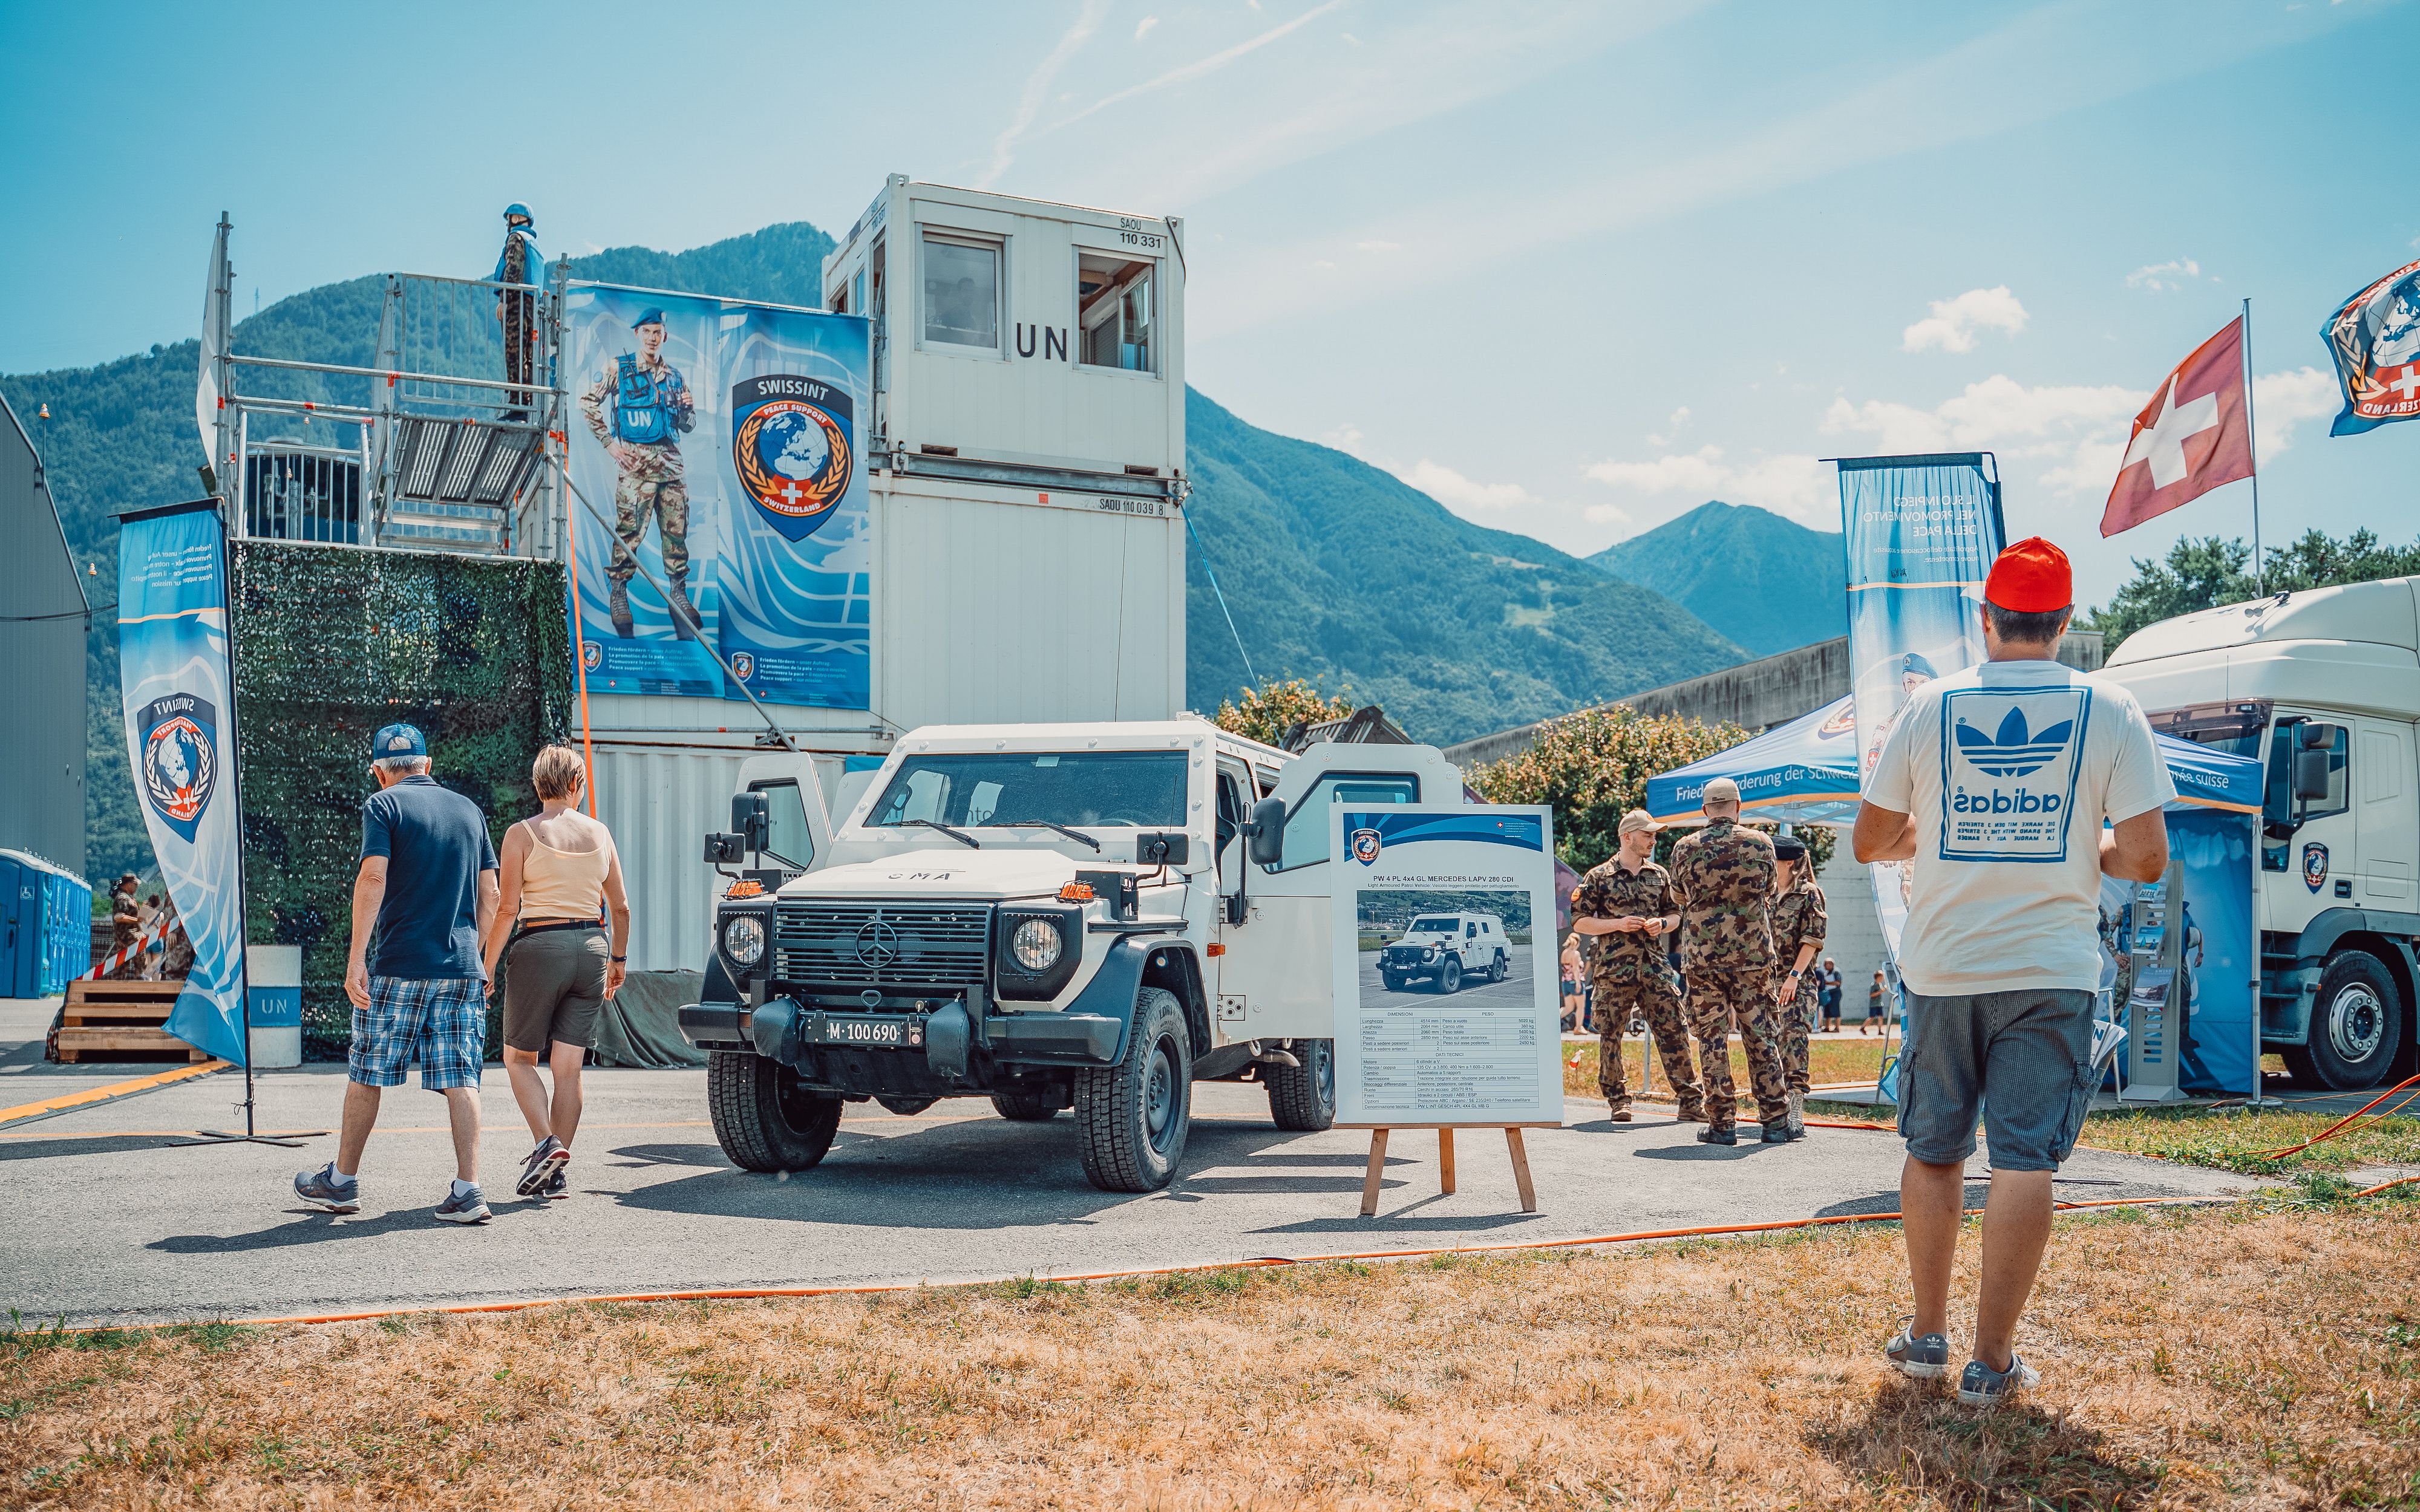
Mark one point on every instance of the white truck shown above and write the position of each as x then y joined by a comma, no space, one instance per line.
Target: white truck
2325,686
1445,950
1088,916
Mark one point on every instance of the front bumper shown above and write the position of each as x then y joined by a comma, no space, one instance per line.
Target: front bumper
795,1033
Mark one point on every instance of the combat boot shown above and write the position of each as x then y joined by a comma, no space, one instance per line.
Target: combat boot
1718,1136
1797,1114
1779,1134
1617,1111
684,613
618,604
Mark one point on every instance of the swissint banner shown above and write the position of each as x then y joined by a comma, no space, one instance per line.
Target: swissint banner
179,704
1921,533
724,444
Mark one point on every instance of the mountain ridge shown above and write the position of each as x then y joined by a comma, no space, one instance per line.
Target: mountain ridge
1768,583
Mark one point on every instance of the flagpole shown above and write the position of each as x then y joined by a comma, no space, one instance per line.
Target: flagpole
2251,440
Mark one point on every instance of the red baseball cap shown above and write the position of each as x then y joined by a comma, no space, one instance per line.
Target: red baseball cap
2031,577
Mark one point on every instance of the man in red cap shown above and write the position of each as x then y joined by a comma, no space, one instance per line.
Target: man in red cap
1994,782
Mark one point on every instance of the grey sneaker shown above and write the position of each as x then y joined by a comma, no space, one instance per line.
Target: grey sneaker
322,1188
467,1208
1982,1386
1921,1359
543,1162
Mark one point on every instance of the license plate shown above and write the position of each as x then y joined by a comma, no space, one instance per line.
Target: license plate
854,1030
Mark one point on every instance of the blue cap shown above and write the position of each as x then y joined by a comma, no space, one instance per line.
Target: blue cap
397,741
516,208
650,316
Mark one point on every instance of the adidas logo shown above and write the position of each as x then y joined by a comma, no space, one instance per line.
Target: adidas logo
2014,751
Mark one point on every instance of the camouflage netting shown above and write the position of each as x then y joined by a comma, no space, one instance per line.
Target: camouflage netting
332,642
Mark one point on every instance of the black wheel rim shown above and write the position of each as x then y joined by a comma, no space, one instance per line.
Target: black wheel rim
1159,1096
796,1105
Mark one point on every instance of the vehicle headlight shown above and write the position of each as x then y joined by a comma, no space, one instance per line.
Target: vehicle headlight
744,939
1037,944
1429,954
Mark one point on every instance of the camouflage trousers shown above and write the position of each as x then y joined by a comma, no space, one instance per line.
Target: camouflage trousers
653,484
1716,996
1797,1026
1654,997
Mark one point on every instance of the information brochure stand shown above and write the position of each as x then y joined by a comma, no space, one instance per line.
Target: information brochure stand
1446,1014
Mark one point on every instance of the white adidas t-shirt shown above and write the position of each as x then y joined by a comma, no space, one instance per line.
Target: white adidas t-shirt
2009,769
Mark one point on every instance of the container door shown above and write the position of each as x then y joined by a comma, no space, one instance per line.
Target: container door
2389,814
19,928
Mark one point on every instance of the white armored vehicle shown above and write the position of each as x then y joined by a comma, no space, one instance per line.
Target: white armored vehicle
1086,916
1447,950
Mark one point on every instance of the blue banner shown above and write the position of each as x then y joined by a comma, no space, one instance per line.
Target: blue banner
179,704
1920,534
2375,339
1801,773
724,443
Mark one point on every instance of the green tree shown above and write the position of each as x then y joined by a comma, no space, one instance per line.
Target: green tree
1266,713
2214,570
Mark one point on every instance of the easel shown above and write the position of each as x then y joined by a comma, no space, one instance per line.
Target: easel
1378,1132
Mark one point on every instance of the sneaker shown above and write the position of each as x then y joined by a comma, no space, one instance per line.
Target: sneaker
1718,1136
465,1207
322,1187
1982,1386
557,1186
1921,1359
548,1158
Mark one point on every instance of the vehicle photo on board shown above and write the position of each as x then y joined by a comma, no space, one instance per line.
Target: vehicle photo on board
1445,950
1081,917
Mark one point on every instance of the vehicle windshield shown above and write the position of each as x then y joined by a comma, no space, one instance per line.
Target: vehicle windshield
1144,789
1432,926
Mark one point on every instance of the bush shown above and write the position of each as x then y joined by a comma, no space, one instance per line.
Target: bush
1266,713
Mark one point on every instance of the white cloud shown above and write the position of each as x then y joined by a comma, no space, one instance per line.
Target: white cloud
2281,401
1185,73
2077,431
1786,483
1452,489
1680,418
1143,27
2158,277
1037,89
1953,323
1345,437
1606,514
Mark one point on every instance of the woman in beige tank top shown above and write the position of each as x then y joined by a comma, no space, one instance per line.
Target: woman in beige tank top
558,875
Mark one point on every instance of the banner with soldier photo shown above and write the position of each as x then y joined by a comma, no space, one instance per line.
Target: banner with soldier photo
724,441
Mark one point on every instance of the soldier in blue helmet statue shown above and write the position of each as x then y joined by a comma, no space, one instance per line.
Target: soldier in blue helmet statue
639,407
518,264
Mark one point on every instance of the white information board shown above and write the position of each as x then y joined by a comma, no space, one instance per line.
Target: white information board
1446,967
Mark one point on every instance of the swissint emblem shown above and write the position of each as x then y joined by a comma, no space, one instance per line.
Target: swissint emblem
790,448
2014,751
1366,844
2315,865
180,760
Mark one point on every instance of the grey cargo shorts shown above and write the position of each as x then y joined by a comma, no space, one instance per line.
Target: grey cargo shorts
2023,1060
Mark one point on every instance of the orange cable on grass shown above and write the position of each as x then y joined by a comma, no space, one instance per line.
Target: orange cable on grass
2338,1127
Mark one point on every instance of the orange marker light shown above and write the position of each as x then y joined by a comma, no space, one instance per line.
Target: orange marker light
1218,950
746,887
1076,892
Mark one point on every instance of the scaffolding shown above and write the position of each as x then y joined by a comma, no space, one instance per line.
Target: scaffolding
410,433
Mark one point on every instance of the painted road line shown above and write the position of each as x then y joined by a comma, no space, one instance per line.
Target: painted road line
113,1091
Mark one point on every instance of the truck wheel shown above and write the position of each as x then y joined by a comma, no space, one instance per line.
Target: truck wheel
762,1119
1394,983
1502,969
1303,1098
907,1108
2356,1022
1025,1107
1448,976
1135,1114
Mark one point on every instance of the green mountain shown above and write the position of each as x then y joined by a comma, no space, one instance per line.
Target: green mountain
1333,570
1767,583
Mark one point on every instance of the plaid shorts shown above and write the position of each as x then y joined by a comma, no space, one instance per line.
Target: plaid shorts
442,1020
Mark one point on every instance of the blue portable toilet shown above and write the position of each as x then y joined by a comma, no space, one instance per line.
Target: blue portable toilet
45,926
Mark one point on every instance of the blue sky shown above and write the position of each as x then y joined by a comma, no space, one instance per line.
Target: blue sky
1573,269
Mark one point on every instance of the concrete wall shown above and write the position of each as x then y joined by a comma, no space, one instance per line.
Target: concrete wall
41,664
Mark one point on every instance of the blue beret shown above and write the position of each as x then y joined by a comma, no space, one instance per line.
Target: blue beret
648,316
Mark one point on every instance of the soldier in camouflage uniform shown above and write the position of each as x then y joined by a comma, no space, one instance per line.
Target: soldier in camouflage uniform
651,404
1798,923
1722,877
1625,905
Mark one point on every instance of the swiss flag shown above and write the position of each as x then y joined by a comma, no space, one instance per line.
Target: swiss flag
2190,439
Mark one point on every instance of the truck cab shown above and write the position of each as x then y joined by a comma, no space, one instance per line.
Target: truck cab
1055,916
2324,686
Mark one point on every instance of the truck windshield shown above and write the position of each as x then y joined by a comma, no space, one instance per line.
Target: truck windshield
1086,789
1431,926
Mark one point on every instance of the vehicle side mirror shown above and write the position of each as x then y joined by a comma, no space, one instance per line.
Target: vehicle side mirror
752,816
2316,743
1265,836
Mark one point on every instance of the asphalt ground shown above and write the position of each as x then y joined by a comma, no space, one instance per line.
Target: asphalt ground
1516,987
110,1222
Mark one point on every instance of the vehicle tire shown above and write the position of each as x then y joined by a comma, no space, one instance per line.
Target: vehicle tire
762,1119
907,1108
1025,1107
1448,976
2356,1023
1302,1098
1394,983
1135,1114
1502,969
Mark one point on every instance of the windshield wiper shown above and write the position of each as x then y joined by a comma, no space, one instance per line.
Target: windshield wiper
1050,824
954,834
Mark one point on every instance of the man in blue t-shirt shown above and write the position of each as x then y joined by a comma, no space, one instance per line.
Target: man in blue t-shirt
428,884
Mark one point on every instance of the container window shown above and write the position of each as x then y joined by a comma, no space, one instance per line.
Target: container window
961,292
791,838
1116,307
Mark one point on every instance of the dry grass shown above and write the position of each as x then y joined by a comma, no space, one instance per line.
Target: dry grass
2266,1358
1827,1061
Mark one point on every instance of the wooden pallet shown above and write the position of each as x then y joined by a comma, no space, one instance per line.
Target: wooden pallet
121,1020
